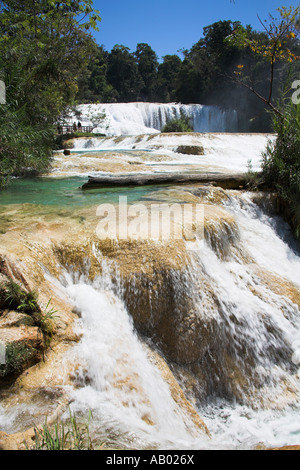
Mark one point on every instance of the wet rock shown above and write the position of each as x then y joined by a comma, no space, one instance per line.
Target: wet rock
157,285
190,149
23,347
14,319
19,441
10,271
285,448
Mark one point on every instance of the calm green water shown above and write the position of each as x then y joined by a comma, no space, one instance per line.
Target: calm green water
65,192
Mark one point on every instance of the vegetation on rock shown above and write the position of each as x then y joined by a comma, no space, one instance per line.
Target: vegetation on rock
178,125
20,351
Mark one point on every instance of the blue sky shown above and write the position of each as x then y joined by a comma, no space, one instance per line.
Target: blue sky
170,25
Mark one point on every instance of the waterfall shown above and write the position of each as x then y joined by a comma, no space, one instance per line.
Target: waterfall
149,118
255,334
116,380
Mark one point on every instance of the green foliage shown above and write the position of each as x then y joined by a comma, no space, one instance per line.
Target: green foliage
15,298
204,75
70,436
50,47
16,356
46,321
123,74
278,49
178,125
281,162
25,149
168,80
147,67
45,46
253,178
93,85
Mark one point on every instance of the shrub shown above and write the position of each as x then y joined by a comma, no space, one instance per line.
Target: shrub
15,298
178,125
16,356
25,149
281,162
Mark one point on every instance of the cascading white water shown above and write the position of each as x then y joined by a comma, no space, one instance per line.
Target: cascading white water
226,152
257,328
271,320
114,377
149,118
127,393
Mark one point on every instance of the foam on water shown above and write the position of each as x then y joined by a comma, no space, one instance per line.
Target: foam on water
229,152
267,238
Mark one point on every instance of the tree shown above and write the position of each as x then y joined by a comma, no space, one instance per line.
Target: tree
280,50
93,85
45,46
168,78
147,66
123,74
52,44
276,47
203,73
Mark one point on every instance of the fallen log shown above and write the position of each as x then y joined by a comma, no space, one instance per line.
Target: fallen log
225,181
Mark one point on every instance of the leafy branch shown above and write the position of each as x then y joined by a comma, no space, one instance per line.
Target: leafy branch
276,45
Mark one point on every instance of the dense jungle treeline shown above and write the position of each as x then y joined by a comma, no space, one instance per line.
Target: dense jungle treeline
205,74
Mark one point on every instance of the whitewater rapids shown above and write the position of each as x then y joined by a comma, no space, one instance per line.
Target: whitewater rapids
158,153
